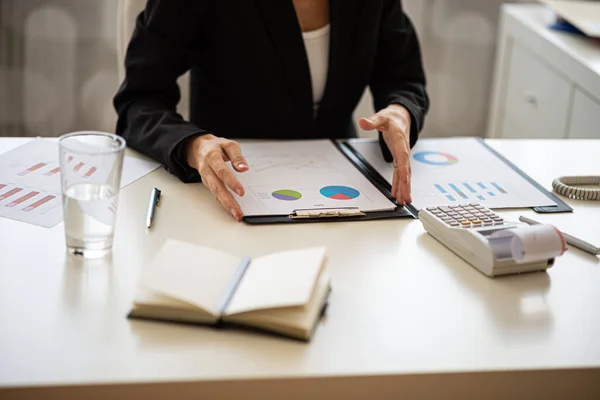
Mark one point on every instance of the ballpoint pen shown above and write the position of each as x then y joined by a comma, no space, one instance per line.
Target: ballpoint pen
154,200
570,239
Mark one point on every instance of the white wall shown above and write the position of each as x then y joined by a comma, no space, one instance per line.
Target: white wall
64,75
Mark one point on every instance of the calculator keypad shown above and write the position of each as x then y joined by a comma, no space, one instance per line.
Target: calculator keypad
466,215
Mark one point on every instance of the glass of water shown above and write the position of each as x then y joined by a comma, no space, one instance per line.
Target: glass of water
90,170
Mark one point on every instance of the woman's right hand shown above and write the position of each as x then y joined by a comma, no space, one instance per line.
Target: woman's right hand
209,155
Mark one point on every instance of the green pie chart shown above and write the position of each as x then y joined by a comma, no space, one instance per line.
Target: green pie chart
287,195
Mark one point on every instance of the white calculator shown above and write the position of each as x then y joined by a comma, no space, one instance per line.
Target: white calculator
467,230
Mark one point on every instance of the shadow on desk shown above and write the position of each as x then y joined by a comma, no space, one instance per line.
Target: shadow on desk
515,303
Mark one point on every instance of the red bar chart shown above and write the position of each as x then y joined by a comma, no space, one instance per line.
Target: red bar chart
90,172
39,203
10,193
32,169
52,172
22,199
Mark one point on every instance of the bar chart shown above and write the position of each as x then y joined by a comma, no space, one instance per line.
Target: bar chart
470,192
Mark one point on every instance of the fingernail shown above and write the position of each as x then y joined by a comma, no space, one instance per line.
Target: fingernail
234,213
239,192
242,165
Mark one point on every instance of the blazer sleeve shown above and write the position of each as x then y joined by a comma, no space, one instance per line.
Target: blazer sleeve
398,75
160,51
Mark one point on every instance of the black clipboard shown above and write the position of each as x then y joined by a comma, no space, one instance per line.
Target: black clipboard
560,206
342,214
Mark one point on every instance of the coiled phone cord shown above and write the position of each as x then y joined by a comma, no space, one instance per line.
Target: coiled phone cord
563,186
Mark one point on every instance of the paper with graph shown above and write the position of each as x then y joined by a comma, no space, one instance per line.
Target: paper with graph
30,188
458,170
285,176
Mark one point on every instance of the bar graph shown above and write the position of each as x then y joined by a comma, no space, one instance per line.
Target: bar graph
78,166
22,199
470,191
90,172
32,169
10,193
458,191
39,203
52,171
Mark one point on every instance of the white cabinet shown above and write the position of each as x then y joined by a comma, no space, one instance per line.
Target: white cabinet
536,99
547,83
585,118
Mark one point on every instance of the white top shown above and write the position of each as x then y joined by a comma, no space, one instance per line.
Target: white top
402,305
317,49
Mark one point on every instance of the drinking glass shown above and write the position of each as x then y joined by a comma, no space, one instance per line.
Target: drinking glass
90,168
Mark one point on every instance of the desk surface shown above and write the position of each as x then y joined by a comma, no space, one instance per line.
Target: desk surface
401,304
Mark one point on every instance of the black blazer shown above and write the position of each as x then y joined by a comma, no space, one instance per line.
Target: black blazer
250,76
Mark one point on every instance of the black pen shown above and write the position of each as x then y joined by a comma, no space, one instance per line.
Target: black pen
154,199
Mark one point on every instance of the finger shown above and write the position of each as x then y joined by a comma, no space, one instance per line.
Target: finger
233,151
220,168
401,152
218,189
395,183
376,122
404,190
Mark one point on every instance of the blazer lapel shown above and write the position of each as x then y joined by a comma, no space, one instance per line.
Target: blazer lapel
342,51
286,36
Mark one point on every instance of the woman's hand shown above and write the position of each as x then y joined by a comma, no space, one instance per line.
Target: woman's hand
209,155
394,123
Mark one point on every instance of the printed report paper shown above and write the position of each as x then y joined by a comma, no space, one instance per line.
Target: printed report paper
458,170
285,176
30,181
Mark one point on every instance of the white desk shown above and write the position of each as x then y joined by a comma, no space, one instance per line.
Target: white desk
406,315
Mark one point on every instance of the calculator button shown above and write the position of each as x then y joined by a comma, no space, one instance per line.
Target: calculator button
488,223
465,224
431,208
453,215
453,223
476,221
475,204
445,208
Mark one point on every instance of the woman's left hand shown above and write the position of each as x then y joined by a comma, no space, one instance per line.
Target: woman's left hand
394,123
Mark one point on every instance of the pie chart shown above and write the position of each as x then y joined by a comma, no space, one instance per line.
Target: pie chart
340,192
287,195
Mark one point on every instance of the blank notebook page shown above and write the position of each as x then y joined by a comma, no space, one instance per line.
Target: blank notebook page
278,280
190,273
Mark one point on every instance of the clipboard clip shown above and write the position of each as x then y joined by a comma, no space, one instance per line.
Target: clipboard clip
327,213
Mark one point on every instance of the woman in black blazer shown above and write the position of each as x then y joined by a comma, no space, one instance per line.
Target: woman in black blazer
251,78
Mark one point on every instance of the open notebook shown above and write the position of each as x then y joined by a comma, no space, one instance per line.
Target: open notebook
283,293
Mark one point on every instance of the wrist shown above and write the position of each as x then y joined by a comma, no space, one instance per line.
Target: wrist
192,149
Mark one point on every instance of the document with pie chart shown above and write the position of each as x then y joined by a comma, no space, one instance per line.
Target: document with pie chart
285,176
458,170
